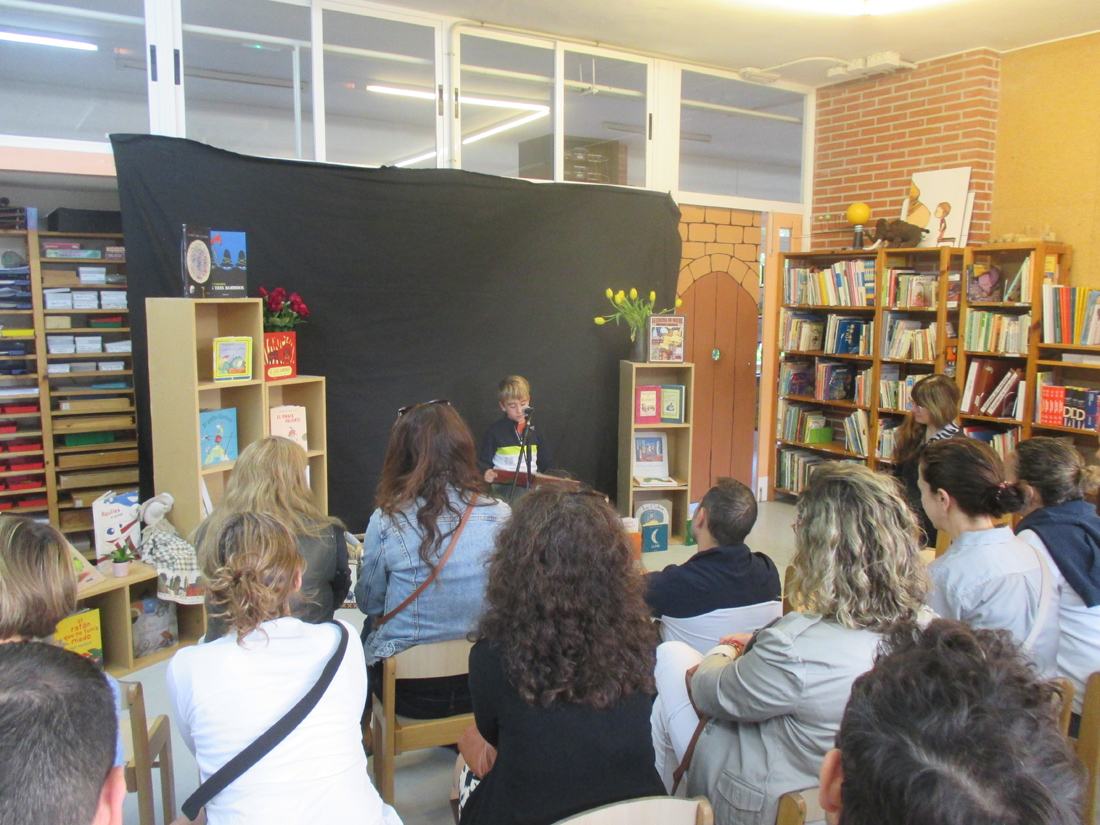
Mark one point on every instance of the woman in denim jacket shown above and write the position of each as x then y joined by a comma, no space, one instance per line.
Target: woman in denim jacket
429,478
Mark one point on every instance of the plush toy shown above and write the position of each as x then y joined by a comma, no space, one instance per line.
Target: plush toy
173,556
896,233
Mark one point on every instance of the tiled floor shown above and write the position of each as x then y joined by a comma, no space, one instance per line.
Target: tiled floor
423,778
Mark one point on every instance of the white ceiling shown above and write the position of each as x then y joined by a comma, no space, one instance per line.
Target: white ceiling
738,33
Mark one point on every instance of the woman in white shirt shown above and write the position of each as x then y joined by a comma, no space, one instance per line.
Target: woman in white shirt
988,577
226,693
1066,529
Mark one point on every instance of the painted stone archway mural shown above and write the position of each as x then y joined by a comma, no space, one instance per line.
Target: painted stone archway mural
719,284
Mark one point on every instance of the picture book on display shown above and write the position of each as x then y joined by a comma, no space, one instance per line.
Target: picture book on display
116,524
154,625
650,460
217,435
213,263
82,633
233,359
646,402
289,421
672,404
654,521
665,336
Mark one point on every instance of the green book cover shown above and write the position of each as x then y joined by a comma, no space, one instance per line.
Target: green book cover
672,404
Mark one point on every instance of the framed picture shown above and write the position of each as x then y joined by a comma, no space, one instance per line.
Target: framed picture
665,339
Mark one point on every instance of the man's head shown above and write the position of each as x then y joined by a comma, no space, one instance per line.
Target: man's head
58,729
951,727
725,516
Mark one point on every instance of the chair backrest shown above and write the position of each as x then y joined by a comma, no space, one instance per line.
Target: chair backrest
788,574
1063,701
1088,742
650,810
135,732
703,632
800,808
432,660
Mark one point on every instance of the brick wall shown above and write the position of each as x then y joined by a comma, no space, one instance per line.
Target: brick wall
720,240
872,134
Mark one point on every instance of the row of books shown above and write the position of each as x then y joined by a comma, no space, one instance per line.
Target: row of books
997,332
1071,315
908,288
793,468
218,431
801,332
835,381
845,283
895,392
1003,443
887,441
855,432
993,388
1065,406
807,424
908,338
848,335
659,404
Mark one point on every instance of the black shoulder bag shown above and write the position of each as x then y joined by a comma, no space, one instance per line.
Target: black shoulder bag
266,741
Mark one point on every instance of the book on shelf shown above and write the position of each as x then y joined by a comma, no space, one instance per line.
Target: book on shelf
887,437
289,421
665,338
796,378
116,524
647,401
801,331
154,625
1064,406
1080,358
855,432
82,633
994,332
654,522
233,358
835,381
650,456
1003,443
907,338
848,335
209,263
217,436
844,283
1071,315
910,289
672,403
655,481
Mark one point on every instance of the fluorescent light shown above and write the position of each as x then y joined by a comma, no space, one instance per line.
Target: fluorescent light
417,159
393,90
15,37
504,104
512,124
851,8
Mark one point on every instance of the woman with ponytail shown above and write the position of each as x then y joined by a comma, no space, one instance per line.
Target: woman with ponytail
1066,530
227,692
987,577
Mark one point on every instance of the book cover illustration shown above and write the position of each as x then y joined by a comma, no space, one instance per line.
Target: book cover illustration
654,538
217,435
280,355
289,421
672,404
116,524
646,401
229,264
197,262
154,625
233,359
666,338
82,633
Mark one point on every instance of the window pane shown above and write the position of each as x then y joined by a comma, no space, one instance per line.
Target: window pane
740,138
605,120
239,79
506,104
75,94
380,91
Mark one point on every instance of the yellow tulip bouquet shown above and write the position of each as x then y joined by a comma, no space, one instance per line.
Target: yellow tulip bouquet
633,309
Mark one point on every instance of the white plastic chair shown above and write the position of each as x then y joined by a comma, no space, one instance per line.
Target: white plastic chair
703,632
650,810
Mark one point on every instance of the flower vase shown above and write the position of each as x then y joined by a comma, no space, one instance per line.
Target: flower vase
637,348
280,355
120,569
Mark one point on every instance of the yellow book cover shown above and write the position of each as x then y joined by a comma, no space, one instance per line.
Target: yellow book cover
233,359
82,633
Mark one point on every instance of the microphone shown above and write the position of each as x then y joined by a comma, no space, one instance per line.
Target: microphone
527,411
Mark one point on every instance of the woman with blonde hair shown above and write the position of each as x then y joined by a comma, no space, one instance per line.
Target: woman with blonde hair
1065,528
269,477
987,576
933,408
226,693
774,700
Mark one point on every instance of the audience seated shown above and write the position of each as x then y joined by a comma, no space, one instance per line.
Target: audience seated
1066,530
724,587
58,731
951,727
988,576
430,479
269,476
775,707
38,589
562,670
226,693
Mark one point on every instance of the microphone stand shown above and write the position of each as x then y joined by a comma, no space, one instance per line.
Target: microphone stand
524,451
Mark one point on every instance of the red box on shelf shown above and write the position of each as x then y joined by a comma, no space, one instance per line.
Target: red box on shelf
5,505
18,409
23,446
8,426
23,483
3,485
34,501
23,467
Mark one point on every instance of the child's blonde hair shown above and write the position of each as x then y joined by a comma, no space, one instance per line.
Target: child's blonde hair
514,388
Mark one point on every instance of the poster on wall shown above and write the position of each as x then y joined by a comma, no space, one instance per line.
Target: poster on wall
937,203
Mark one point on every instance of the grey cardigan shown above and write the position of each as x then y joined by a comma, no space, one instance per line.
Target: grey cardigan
775,713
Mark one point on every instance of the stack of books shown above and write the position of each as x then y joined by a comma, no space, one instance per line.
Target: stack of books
993,388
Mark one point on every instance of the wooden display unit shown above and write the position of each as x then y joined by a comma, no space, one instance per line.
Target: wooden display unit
182,386
632,375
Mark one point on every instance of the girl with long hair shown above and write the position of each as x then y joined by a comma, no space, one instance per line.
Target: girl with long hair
226,693
775,700
430,482
933,408
562,670
269,477
988,576
1066,530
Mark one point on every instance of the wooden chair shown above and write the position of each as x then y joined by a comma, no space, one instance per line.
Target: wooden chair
1087,743
1063,700
142,742
800,808
395,734
650,810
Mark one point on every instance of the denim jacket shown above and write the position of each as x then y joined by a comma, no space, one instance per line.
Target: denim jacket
392,569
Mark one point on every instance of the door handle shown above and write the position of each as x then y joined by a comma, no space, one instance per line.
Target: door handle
715,354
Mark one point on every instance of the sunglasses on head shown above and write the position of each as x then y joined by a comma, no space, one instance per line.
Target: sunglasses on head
404,410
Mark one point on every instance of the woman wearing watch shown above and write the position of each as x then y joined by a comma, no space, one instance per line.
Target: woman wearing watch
774,708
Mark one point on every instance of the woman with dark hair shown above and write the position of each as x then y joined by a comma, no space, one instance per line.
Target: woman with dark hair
562,672
933,408
433,520
988,576
1066,530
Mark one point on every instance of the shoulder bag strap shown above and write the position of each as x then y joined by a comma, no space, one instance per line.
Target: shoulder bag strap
228,773
685,763
438,567
1044,599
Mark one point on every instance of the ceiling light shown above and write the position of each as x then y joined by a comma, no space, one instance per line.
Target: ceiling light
759,75
417,159
512,124
393,90
15,37
540,108
851,8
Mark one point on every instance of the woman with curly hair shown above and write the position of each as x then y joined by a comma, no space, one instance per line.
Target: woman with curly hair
431,495
562,671
774,705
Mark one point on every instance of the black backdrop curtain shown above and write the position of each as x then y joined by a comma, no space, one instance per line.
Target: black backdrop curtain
422,284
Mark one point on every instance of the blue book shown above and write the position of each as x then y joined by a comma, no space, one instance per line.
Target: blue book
654,538
217,435
848,335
